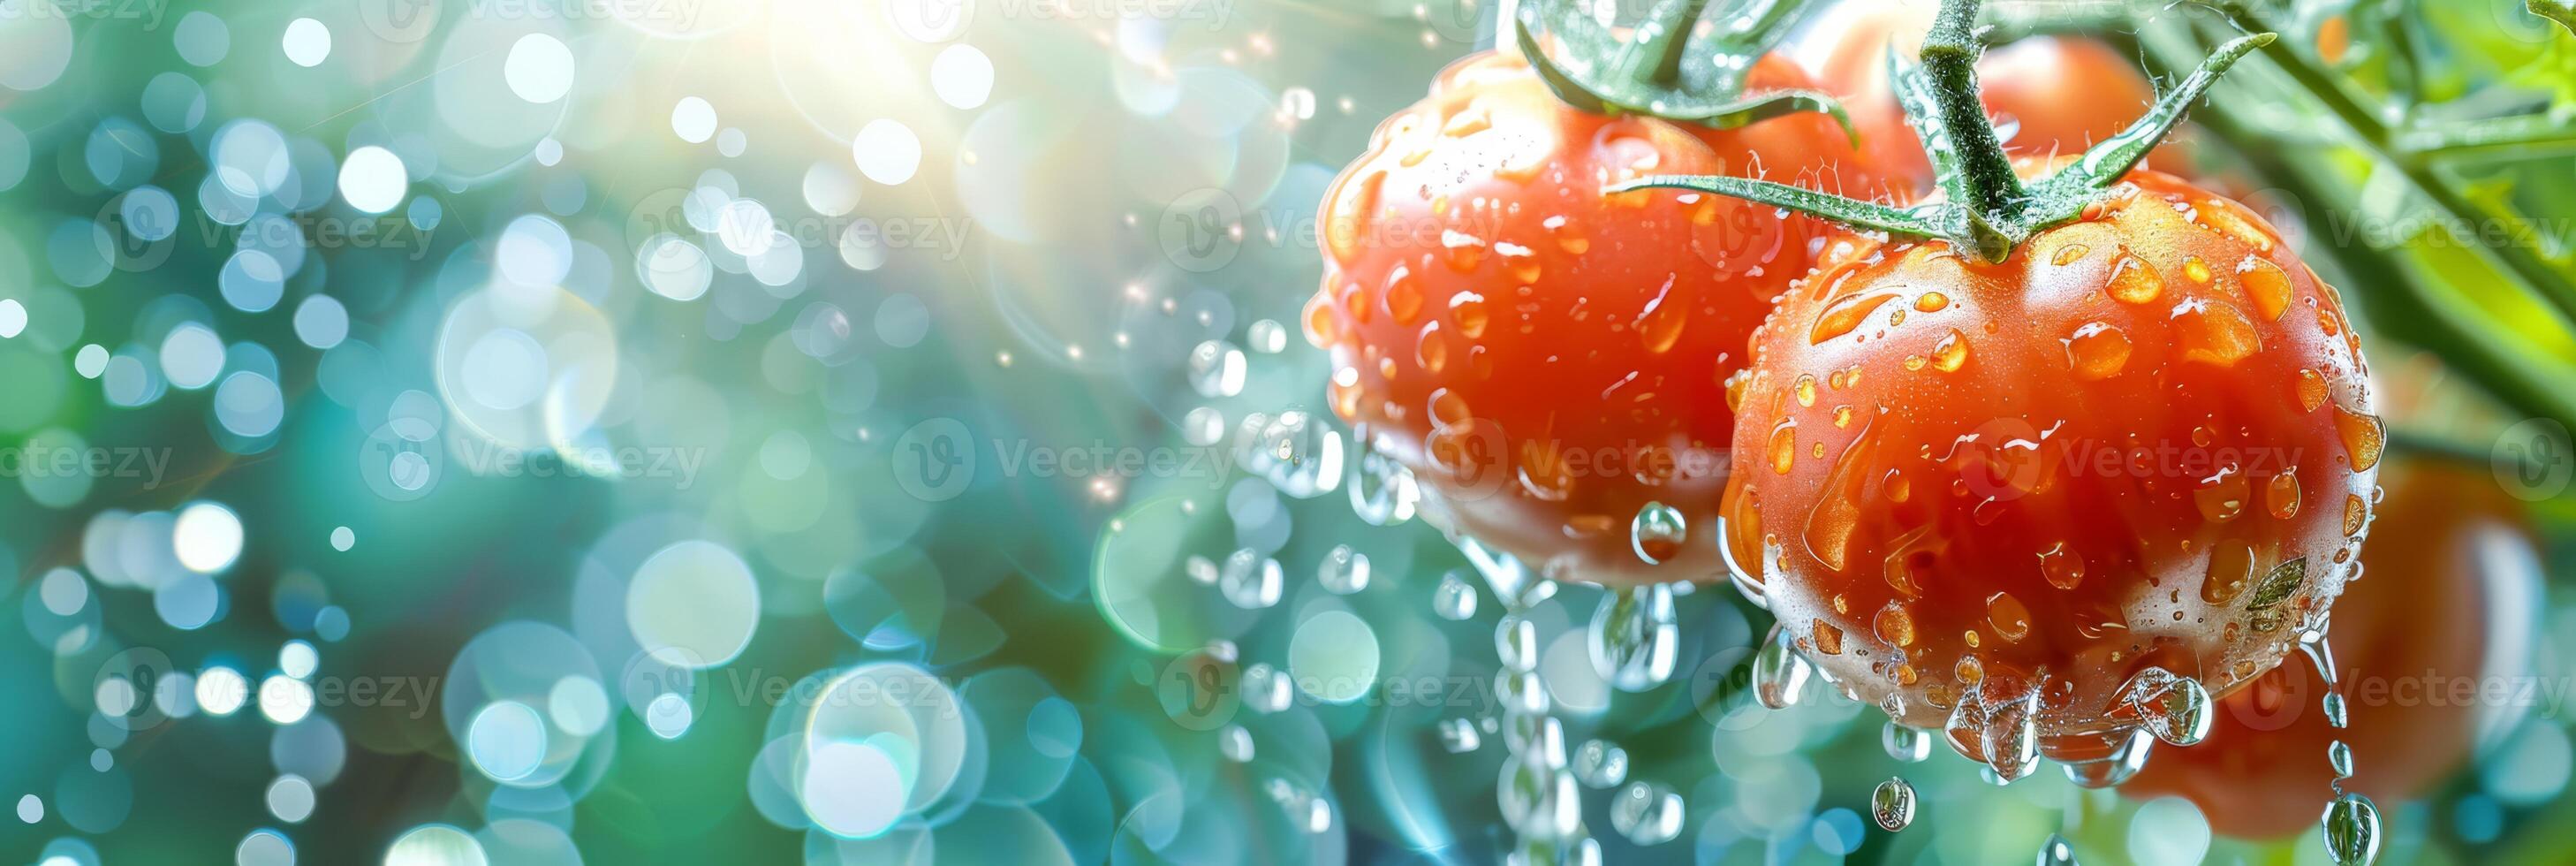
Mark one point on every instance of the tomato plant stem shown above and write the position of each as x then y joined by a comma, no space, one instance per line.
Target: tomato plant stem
1950,54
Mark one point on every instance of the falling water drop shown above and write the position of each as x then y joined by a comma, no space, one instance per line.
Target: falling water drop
1522,691
2351,828
2056,852
1295,452
1236,744
1779,672
2339,756
1634,637
1344,571
1455,599
1459,736
1516,643
1600,764
1216,369
1892,805
1648,813
1265,689
1909,745
1383,492
1577,850
1657,532
1537,797
1250,580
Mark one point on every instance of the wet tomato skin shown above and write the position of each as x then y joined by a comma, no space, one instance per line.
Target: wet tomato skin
2053,94
1544,356
2447,562
2054,472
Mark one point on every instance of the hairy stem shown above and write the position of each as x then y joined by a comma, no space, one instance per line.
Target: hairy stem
1950,55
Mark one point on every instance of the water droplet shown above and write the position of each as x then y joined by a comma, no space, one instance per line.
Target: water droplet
1200,569
2356,514
1660,326
1459,736
2134,281
2222,497
2097,351
1455,598
1844,314
1894,625
1265,689
1344,571
2214,332
1657,532
2061,567
1295,452
2195,270
2312,390
2281,496
1784,446
2267,285
1216,369
2010,618
1931,302
2337,716
2176,709
1634,638
1468,311
1600,764
2123,763
1892,805
1648,813
1249,580
1909,745
2339,757
1516,643
2363,436
1538,797
1575,850
1829,637
1267,336
2351,828
1235,743
1403,296
1951,352
1522,691
1779,672
2056,852
2066,255
1383,492
2004,734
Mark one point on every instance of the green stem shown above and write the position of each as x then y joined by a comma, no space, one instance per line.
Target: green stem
2553,10
1950,54
1653,56
2520,136
2367,127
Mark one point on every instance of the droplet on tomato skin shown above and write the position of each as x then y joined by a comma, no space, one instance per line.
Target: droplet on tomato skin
1931,302
2195,270
2175,708
2312,389
1357,301
2231,570
1784,446
1432,351
2266,284
2009,617
1569,237
1349,224
1320,331
2281,496
2364,436
1951,352
2231,218
1544,472
1469,312
1894,625
2097,351
2134,281
2214,332
1837,513
1842,416
1829,640
1845,314
1660,325
2061,567
1403,295
2221,497
1466,251
2066,255
1448,408
1805,389
2356,514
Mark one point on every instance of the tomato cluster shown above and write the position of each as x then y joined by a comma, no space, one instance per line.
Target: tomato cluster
2029,463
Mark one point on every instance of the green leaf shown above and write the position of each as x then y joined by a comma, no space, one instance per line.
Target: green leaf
2279,583
2554,10
2107,161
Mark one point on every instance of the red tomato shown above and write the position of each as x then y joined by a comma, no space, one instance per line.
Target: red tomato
2053,94
2143,440
1542,355
2446,567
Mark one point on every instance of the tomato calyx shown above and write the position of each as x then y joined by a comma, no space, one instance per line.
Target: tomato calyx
1984,206
1660,70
